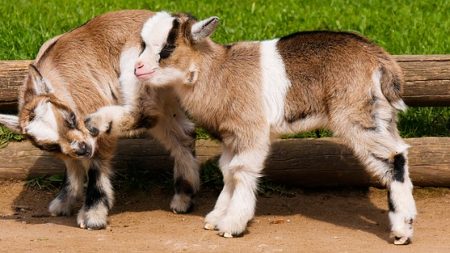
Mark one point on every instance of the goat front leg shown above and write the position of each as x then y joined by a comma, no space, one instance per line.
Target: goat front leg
113,120
213,217
99,196
72,188
241,179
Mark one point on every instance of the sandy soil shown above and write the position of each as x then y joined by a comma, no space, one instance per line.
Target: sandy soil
311,221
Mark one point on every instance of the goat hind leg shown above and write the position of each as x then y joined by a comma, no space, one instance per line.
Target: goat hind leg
176,133
385,156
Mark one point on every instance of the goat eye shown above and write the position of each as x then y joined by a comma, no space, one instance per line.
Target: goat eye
166,51
32,116
72,121
142,47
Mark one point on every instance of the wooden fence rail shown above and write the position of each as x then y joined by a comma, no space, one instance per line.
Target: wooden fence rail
427,80
303,162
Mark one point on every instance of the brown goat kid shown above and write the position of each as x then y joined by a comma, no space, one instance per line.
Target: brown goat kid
74,75
247,91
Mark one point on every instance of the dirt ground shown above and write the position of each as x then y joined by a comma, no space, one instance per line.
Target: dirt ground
309,221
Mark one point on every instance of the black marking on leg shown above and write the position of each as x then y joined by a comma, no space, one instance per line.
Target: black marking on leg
94,193
182,186
390,203
64,188
399,167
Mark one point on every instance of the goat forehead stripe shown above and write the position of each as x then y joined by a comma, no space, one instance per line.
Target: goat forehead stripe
275,81
156,29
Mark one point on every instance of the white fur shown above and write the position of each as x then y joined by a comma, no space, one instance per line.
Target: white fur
204,28
213,217
154,33
95,217
156,29
275,82
405,208
105,184
241,179
129,84
376,78
43,127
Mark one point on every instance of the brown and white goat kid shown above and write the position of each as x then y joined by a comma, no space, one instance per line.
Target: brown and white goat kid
77,73
246,91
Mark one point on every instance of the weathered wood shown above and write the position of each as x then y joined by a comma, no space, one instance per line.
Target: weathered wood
21,159
327,162
12,74
301,162
427,80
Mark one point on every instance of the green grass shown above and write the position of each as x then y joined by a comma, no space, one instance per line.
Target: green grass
402,27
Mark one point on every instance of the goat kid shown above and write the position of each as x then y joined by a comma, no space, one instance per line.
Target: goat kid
246,92
77,73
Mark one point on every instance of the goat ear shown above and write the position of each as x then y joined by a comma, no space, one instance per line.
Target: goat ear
11,122
204,28
37,84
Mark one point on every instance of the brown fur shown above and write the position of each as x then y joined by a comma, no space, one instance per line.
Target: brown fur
337,80
77,73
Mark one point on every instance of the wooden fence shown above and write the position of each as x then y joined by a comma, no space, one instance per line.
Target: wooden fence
302,162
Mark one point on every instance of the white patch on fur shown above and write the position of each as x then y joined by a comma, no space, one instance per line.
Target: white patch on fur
105,184
275,82
405,208
157,28
43,127
376,79
242,204
129,84
154,33
242,177
95,217
213,217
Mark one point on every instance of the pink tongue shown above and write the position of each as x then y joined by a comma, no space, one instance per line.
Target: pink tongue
143,71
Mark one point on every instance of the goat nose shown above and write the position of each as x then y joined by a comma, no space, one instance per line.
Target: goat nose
83,149
138,65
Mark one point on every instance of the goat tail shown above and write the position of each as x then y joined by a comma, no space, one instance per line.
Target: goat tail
392,82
